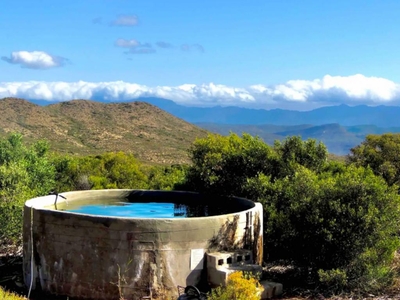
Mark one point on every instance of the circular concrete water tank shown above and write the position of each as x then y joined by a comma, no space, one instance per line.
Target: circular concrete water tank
99,257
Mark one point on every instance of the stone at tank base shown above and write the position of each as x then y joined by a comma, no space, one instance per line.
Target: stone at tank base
271,289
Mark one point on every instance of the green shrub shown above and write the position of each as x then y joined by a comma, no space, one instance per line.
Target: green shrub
222,165
166,178
25,172
107,171
346,221
333,280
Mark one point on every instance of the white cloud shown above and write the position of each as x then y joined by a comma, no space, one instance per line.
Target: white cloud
125,20
126,43
295,94
134,46
35,59
334,89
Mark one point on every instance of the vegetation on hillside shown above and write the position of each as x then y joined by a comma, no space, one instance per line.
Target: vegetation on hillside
83,127
337,222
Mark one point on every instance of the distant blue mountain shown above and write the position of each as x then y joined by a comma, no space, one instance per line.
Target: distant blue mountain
381,116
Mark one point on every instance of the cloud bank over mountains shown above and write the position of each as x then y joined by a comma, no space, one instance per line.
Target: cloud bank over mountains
294,94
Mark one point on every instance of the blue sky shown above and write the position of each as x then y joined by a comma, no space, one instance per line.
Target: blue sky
261,53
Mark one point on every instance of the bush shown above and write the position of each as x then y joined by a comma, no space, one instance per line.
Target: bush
25,172
344,221
106,171
238,287
5,295
166,178
221,165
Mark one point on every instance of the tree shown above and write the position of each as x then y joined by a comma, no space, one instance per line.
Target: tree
381,153
293,151
221,165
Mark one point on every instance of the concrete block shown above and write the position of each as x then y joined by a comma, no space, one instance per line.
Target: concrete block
225,259
221,264
271,289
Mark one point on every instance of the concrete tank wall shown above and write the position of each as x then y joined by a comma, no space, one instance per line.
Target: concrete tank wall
98,257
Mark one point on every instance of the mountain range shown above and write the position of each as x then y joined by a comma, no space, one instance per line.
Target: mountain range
381,116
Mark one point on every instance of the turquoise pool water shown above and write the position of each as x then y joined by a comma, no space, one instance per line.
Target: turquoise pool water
147,209
133,210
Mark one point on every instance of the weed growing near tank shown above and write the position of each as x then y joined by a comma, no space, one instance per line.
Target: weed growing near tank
5,295
239,286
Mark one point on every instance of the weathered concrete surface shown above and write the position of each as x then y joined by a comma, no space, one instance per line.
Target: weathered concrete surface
96,257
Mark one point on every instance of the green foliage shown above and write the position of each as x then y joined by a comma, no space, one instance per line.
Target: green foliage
122,171
345,221
239,286
222,165
320,215
107,171
293,151
114,171
334,280
25,172
382,154
166,178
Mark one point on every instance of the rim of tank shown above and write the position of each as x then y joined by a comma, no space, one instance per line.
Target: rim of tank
34,204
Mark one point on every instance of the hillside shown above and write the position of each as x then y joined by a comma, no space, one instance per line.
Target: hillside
89,127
